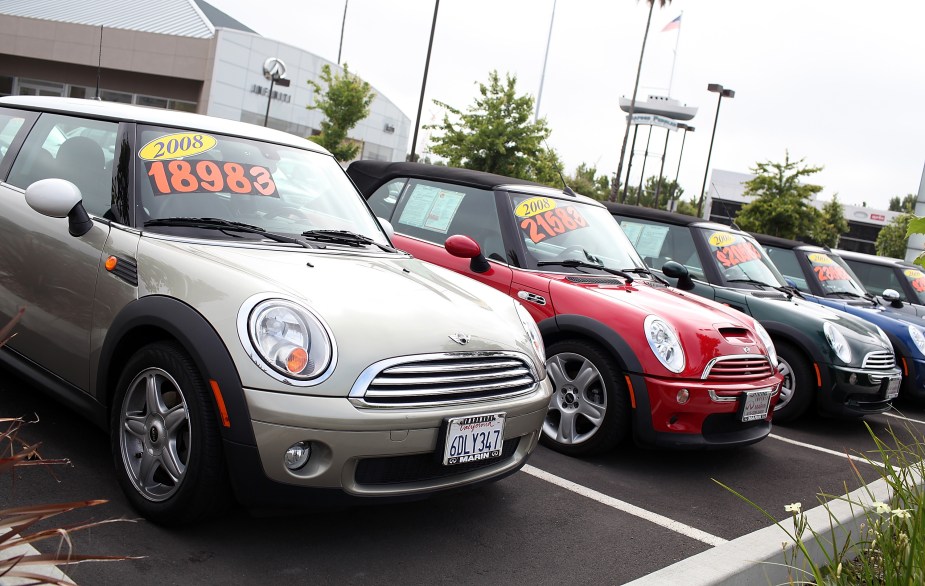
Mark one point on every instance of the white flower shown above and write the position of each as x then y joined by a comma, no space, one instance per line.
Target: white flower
881,508
795,508
901,513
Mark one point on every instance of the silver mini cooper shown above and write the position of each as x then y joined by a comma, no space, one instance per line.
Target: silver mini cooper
220,298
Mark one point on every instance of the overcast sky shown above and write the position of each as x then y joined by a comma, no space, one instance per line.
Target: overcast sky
837,82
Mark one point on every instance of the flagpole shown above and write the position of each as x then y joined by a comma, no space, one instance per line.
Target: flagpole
675,58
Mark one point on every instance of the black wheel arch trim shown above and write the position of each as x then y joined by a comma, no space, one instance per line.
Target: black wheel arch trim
796,338
198,338
609,339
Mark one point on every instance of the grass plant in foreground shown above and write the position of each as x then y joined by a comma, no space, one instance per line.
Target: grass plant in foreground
888,548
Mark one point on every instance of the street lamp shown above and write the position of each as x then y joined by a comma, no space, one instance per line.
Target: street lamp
723,93
686,128
417,121
275,70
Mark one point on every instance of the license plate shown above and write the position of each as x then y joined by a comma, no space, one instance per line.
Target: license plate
473,438
756,404
892,389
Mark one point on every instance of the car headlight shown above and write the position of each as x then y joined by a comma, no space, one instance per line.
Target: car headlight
837,341
664,342
917,338
533,333
291,343
765,338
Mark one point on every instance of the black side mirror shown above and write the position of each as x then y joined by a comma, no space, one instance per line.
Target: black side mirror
675,270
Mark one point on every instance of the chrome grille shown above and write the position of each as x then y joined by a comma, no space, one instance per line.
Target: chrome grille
880,360
443,379
738,368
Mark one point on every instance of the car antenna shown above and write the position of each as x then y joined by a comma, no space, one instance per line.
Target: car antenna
99,63
725,209
565,188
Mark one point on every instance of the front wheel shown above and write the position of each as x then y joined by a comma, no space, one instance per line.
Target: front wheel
796,392
166,443
589,411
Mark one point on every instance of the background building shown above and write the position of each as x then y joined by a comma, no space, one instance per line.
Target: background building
176,54
725,197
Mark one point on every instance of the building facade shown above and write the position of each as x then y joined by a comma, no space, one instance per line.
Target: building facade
177,54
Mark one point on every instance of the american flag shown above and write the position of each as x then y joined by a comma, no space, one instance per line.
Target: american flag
676,23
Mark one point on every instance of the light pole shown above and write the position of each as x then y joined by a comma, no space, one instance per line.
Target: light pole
417,120
343,24
539,96
275,70
723,93
686,128
661,169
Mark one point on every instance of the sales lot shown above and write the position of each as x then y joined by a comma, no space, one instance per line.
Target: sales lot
603,520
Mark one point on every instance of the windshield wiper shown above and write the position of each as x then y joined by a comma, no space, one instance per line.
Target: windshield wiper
645,271
223,225
344,237
587,265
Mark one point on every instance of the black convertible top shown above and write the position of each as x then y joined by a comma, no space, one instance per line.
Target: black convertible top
657,215
764,239
369,175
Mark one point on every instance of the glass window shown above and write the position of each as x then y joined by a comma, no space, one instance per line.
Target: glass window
113,96
659,243
833,275
739,258
788,265
876,278
151,102
916,279
181,105
77,149
10,124
287,190
6,85
383,200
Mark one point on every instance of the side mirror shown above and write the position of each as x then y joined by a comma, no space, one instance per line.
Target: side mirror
386,227
892,295
465,247
675,270
58,198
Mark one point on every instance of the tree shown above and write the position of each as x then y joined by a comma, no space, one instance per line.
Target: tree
586,181
894,237
905,204
781,206
496,134
629,116
345,102
832,224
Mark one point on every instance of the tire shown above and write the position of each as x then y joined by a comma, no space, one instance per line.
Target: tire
797,390
166,444
589,410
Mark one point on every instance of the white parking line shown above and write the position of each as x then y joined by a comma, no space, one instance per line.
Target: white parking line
826,450
903,417
665,522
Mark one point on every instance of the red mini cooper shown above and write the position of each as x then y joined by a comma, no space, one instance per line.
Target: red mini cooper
625,351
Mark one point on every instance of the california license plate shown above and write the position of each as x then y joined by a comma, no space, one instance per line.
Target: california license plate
473,438
892,388
756,404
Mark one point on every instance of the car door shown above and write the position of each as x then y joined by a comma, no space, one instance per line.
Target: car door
44,269
425,213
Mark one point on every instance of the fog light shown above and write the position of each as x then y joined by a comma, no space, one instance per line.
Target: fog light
683,396
852,378
297,455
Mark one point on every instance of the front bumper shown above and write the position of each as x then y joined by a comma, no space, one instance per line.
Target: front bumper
387,453
707,420
853,392
913,378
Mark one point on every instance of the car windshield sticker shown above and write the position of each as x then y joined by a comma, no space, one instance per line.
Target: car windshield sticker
431,207
647,239
916,279
552,223
825,268
172,177
176,146
730,250
533,206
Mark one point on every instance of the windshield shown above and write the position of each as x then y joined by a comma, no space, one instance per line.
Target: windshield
280,189
916,280
833,275
555,230
740,259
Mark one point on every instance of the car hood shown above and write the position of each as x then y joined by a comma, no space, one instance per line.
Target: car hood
377,306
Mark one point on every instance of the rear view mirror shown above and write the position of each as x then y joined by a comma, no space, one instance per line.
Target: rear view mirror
675,270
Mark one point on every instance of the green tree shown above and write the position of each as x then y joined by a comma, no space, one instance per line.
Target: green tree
904,204
781,206
832,224
894,237
496,134
345,102
586,181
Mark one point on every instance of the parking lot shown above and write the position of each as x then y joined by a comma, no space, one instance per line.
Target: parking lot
608,519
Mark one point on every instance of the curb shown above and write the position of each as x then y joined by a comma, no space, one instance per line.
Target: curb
758,559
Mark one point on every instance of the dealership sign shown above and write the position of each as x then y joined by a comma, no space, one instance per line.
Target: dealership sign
654,120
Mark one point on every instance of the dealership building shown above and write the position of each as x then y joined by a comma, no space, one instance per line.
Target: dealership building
175,54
